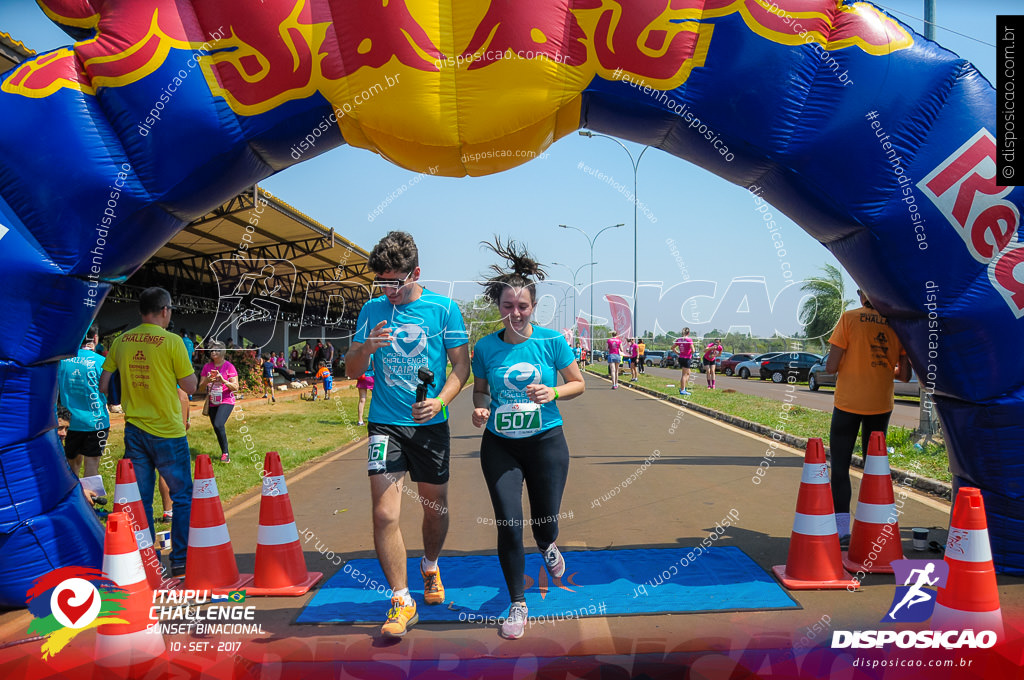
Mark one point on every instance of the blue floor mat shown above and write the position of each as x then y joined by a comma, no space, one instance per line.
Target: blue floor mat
595,583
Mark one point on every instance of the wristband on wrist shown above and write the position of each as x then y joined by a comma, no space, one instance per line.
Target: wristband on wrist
556,392
444,407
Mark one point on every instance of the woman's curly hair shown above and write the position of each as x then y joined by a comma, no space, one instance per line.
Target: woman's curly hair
522,271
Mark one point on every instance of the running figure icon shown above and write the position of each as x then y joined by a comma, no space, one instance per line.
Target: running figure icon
915,595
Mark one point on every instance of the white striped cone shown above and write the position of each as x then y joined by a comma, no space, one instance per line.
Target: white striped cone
128,500
280,566
210,563
970,598
132,643
875,540
814,561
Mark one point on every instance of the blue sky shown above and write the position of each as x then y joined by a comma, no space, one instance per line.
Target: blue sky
718,233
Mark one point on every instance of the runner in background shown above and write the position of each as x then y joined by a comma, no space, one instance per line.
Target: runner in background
684,348
515,386
711,353
614,358
634,358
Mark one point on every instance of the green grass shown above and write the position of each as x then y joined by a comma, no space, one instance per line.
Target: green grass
298,430
800,421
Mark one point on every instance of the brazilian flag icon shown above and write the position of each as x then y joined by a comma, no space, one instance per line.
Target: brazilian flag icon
237,596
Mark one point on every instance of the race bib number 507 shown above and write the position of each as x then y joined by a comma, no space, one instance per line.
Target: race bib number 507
517,420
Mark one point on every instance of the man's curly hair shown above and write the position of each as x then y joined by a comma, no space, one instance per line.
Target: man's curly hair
396,252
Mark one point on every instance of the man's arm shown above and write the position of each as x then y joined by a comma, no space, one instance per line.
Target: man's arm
424,411
105,381
835,355
185,415
188,383
903,368
358,356
461,365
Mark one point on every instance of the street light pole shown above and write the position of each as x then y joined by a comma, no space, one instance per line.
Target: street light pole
591,242
574,275
636,165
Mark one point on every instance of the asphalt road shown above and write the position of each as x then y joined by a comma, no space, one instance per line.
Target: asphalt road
905,414
704,471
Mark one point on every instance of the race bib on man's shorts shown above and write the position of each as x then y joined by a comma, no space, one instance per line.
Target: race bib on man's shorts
516,421
377,453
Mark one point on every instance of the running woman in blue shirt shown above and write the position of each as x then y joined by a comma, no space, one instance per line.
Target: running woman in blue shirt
515,385
406,329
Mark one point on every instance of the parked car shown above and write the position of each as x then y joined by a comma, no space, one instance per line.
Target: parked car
670,360
788,366
745,369
654,356
819,378
728,366
597,355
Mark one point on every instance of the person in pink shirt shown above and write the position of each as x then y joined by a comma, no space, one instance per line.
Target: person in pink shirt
684,348
634,359
711,353
614,357
220,380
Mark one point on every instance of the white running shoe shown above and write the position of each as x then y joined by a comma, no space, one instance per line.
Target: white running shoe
554,561
515,623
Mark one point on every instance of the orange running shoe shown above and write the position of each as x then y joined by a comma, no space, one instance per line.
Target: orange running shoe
400,618
433,589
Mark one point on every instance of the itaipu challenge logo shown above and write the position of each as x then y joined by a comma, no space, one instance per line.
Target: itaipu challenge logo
71,600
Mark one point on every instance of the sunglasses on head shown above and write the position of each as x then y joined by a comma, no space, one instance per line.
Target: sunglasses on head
390,284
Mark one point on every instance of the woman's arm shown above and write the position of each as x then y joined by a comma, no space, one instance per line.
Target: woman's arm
481,401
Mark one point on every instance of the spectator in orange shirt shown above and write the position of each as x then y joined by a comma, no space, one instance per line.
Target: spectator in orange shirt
865,355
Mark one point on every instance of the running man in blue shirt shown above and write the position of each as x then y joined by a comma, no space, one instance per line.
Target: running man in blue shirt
78,380
515,385
406,329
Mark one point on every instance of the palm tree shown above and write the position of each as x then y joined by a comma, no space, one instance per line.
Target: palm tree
820,313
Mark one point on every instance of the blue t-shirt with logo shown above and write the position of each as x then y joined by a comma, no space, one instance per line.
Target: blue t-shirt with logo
422,333
78,380
508,369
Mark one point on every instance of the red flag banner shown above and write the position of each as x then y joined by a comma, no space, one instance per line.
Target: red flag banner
584,330
621,316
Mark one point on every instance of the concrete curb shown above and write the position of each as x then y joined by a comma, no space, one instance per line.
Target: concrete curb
926,484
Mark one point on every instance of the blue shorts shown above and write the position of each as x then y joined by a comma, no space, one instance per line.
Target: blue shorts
614,358
328,384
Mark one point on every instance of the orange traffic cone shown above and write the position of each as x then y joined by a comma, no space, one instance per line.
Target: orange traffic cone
128,501
875,539
280,565
970,598
131,643
814,561
210,564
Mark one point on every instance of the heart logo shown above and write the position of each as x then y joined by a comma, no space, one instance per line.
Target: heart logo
74,612
519,375
409,340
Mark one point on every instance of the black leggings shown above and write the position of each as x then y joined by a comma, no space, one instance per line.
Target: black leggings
219,418
842,437
543,462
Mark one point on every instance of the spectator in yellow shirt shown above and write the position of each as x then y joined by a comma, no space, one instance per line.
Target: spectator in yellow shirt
153,363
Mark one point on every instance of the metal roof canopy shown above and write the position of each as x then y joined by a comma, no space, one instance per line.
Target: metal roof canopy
214,256
12,52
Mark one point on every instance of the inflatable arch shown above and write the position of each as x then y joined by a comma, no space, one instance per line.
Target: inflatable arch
878,142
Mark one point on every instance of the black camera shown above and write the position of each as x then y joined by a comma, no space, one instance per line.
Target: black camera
426,377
